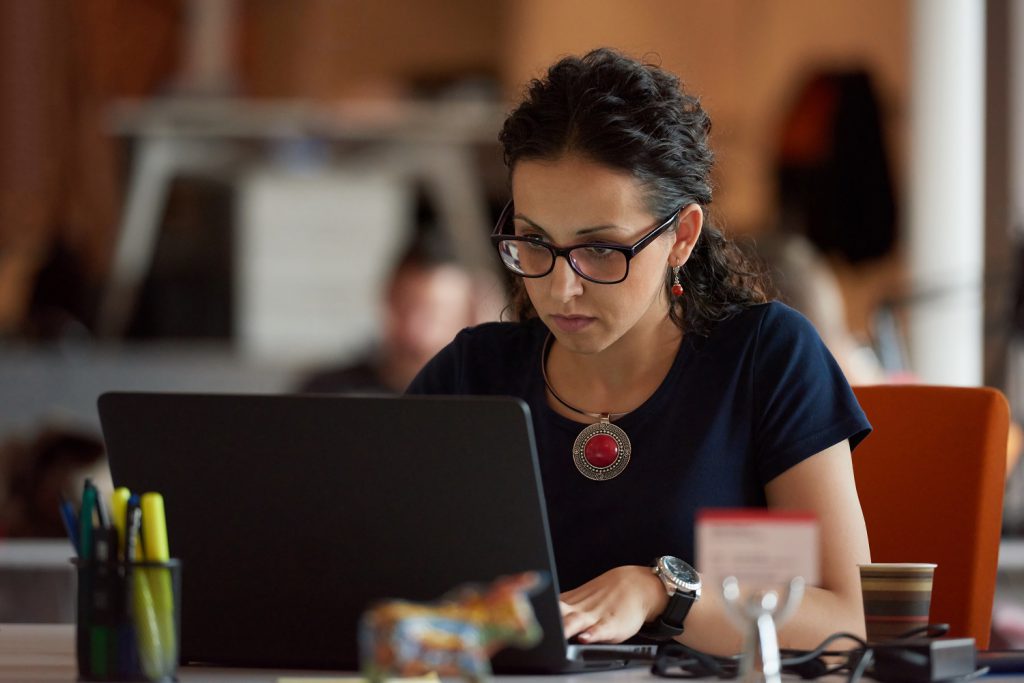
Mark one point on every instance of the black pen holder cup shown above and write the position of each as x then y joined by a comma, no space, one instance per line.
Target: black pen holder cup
128,620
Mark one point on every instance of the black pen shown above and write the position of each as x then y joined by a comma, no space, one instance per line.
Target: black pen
128,639
101,511
133,527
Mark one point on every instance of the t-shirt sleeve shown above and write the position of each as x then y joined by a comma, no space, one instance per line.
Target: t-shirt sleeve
803,402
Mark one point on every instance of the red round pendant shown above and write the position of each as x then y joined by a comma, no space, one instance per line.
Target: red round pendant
677,290
601,450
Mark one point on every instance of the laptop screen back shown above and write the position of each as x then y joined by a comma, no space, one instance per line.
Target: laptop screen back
292,514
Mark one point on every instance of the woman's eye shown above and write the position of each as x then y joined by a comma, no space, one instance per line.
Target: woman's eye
599,252
534,242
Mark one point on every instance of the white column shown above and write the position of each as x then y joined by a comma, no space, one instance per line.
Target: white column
1016,116
1015,216
208,64
945,209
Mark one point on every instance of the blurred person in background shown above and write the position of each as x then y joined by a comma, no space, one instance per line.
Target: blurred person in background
833,254
429,298
37,471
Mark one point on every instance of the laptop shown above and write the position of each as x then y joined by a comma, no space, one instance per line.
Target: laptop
292,514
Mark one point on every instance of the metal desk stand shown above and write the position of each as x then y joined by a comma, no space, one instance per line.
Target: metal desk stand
759,617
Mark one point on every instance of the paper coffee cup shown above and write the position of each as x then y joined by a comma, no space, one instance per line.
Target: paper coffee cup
897,597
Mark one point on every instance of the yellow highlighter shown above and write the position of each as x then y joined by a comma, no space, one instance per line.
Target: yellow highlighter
147,630
147,627
119,510
155,547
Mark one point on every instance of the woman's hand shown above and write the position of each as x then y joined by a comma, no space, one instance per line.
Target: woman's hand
613,607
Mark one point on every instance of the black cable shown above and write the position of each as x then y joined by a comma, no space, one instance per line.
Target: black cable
796,657
867,657
675,660
926,631
692,663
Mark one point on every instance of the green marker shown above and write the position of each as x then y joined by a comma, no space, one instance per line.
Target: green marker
90,638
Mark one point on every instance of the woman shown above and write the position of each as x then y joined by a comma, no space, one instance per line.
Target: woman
637,317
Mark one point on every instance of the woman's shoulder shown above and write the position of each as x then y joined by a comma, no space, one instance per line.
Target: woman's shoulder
770,333
766,321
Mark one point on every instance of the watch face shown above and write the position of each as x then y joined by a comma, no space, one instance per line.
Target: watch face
682,574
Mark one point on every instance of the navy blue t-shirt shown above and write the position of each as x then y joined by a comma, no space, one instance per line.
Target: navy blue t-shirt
739,407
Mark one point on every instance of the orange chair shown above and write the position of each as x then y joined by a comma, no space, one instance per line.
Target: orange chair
930,479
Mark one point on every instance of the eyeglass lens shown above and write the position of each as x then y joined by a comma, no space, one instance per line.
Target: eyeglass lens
535,259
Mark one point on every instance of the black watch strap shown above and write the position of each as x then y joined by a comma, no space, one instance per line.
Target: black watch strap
670,623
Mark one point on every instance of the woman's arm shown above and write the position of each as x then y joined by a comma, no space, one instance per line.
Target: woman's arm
822,484
613,606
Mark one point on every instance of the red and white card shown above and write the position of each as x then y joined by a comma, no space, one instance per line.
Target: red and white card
763,549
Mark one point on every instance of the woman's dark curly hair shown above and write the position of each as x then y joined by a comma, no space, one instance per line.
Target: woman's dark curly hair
635,117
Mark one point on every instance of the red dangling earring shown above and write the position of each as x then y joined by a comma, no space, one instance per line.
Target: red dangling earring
677,289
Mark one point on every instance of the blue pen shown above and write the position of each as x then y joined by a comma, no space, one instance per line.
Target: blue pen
70,520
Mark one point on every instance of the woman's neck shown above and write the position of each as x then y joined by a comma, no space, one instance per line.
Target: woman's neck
621,377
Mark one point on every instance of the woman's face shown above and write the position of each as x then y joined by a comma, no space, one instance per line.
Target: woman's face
570,201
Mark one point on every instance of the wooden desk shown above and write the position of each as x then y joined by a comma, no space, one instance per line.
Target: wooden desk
46,652
30,653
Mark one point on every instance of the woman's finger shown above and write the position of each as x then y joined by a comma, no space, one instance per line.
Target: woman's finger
575,621
591,635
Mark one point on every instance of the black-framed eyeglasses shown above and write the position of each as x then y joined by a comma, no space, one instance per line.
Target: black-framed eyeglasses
600,262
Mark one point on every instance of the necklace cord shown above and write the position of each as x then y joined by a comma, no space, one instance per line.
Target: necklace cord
547,383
